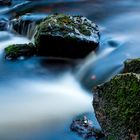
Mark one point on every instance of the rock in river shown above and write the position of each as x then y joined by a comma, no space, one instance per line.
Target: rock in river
16,51
83,127
117,107
66,36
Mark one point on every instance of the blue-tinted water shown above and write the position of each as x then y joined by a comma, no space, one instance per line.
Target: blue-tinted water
40,97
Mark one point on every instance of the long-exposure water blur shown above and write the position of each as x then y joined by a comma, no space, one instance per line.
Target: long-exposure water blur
39,97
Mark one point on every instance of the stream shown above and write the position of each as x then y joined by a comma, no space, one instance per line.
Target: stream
40,97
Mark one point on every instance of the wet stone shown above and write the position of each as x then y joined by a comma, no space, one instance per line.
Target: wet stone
83,127
19,51
132,65
66,36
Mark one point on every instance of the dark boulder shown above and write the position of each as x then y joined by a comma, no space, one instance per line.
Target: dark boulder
17,51
117,107
66,36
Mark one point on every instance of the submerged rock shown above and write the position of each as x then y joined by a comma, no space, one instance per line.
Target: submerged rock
17,51
5,2
66,36
132,65
117,107
83,127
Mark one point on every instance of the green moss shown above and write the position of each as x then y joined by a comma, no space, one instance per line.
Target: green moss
16,50
54,23
110,138
64,24
11,49
121,104
125,90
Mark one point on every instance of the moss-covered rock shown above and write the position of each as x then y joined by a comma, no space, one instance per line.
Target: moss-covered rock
16,51
66,36
117,107
132,65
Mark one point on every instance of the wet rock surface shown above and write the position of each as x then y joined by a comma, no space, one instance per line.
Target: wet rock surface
132,65
66,36
83,127
57,36
17,51
117,107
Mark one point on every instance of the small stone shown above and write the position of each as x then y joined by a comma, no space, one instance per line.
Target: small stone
19,51
83,127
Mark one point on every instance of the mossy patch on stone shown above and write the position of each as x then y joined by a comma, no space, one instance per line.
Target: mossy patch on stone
64,24
117,107
15,51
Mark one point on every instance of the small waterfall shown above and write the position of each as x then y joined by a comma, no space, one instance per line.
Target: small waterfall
23,28
26,24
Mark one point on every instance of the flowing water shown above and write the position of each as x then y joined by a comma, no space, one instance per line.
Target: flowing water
40,97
